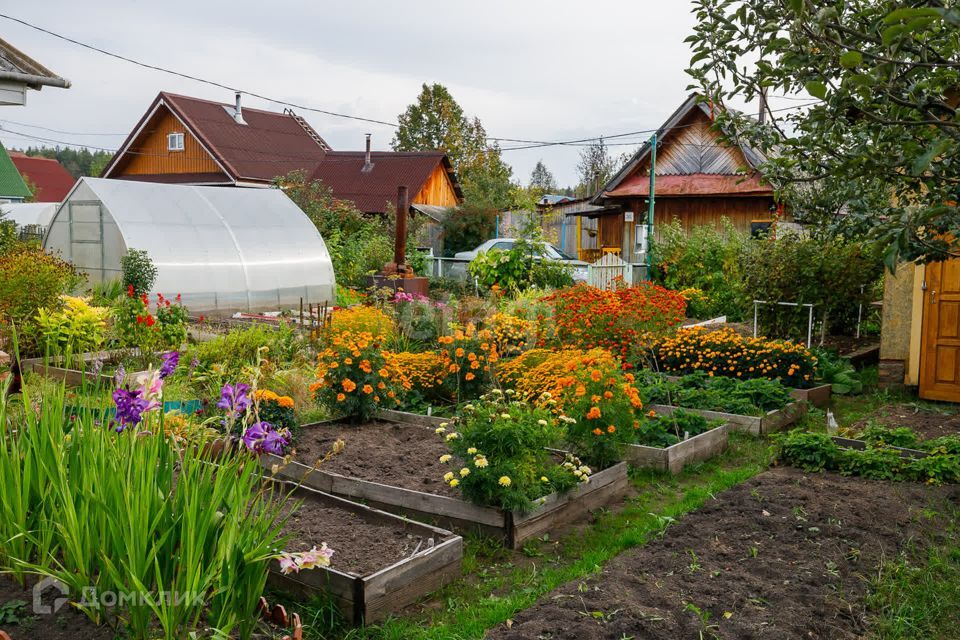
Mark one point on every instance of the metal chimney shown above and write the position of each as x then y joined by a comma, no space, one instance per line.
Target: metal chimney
367,163
237,110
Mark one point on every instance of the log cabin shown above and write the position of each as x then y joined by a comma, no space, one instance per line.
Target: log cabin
187,140
700,179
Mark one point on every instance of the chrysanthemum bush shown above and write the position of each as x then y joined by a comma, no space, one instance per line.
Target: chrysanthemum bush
353,376
498,457
468,356
539,370
362,319
723,352
623,320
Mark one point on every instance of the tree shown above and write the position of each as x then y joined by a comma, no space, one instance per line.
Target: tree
595,167
884,77
79,162
542,180
436,122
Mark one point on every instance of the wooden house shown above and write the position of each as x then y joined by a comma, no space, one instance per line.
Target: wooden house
192,141
699,179
19,72
50,178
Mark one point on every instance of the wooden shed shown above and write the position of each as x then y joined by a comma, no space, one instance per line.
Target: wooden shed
699,179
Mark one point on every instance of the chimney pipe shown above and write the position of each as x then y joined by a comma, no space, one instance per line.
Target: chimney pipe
400,239
237,110
367,163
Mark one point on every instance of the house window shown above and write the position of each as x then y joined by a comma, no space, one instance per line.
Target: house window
174,142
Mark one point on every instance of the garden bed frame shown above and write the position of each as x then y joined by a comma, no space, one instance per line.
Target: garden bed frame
513,527
75,377
675,457
861,445
772,421
372,597
818,396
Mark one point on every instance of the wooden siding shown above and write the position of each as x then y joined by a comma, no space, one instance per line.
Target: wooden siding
148,154
695,212
696,149
437,190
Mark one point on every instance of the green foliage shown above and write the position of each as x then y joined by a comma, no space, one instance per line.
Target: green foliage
836,275
501,445
347,297
707,260
595,168
31,279
809,451
884,124
667,430
872,463
949,445
876,434
753,397
14,612
137,327
138,271
542,180
838,372
466,228
72,329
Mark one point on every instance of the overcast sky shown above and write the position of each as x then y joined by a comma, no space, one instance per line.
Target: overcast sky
539,70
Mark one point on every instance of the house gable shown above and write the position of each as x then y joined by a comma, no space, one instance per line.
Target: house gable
439,189
696,149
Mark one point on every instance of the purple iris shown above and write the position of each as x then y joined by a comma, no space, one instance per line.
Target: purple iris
262,437
170,361
130,407
234,399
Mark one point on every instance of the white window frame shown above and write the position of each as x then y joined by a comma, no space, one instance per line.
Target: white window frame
175,141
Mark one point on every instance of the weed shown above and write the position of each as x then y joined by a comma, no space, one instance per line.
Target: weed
14,612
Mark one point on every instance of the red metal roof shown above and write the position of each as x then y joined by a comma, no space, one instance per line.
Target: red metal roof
52,181
371,190
695,184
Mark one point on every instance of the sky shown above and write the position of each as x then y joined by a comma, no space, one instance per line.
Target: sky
528,69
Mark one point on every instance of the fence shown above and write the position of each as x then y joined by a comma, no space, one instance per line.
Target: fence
610,269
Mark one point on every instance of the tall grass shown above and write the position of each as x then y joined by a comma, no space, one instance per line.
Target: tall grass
131,514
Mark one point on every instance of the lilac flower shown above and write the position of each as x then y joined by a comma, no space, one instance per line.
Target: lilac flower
262,437
119,376
130,407
234,399
170,361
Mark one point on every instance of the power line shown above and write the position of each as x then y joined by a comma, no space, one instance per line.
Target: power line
69,133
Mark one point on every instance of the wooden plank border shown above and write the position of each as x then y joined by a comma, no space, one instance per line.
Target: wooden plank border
675,457
772,421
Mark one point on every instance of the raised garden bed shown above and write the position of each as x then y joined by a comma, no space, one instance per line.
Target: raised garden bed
405,478
381,562
675,457
818,396
862,445
772,421
75,377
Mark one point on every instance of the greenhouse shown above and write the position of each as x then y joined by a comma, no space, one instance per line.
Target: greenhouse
222,249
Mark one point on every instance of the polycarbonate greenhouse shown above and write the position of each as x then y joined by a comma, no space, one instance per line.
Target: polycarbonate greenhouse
224,249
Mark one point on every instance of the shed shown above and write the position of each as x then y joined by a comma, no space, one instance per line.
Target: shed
223,250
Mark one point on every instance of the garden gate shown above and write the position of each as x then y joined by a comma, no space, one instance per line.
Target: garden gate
609,267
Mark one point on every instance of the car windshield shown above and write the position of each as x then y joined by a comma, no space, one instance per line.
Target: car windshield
556,254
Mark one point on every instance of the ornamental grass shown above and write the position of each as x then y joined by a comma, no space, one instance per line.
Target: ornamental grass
724,352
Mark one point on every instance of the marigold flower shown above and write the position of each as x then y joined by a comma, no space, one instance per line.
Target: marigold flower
452,436
611,429
445,458
471,451
597,432
544,479
367,389
454,483
504,481
469,376
594,413
439,429
348,385
464,472
542,422
341,397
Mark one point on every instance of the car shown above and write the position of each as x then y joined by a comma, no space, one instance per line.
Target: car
549,252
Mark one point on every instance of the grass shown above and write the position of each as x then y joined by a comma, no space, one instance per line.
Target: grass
498,583
917,595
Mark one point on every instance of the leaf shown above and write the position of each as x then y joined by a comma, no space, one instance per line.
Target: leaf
816,89
921,163
797,6
901,15
851,59
890,257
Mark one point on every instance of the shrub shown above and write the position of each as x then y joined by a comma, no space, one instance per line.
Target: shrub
149,332
877,435
362,319
468,355
138,271
705,262
353,378
518,269
809,451
31,279
73,328
501,446
422,376
510,333
657,430
723,352
467,227
621,320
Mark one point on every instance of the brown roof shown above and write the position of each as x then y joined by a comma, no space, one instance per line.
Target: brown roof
692,184
52,180
371,190
270,144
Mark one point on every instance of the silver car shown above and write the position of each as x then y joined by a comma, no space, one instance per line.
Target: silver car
549,252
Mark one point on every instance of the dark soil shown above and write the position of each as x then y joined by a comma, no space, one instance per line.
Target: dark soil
361,546
784,555
66,624
845,345
400,455
926,423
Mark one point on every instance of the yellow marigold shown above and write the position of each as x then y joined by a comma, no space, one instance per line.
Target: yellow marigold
504,481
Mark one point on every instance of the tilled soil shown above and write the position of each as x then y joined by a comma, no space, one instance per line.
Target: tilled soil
66,623
784,555
361,546
927,424
397,454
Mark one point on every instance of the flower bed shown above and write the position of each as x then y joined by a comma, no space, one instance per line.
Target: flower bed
380,564
770,422
675,457
435,502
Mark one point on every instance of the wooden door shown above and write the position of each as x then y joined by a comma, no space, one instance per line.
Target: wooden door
940,338
611,232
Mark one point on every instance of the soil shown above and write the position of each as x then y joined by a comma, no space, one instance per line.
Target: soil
784,555
926,423
361,546
845,345
393,453
66,624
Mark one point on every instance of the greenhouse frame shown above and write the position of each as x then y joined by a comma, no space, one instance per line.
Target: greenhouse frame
223,249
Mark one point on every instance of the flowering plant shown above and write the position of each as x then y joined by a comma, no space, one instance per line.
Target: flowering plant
468,355
275,409
263,437
540,370
353,378
511,334
361,319
499,448
724,352
418,317
621,320
72,329
420,374
138,327
304,560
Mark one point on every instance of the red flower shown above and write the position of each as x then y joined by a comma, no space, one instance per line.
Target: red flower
178,298
201,318
139,319
130,290
150,321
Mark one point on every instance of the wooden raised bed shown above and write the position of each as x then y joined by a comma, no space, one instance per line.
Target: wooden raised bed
75,377
772,421
675,457
363,599
513,527
817,396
